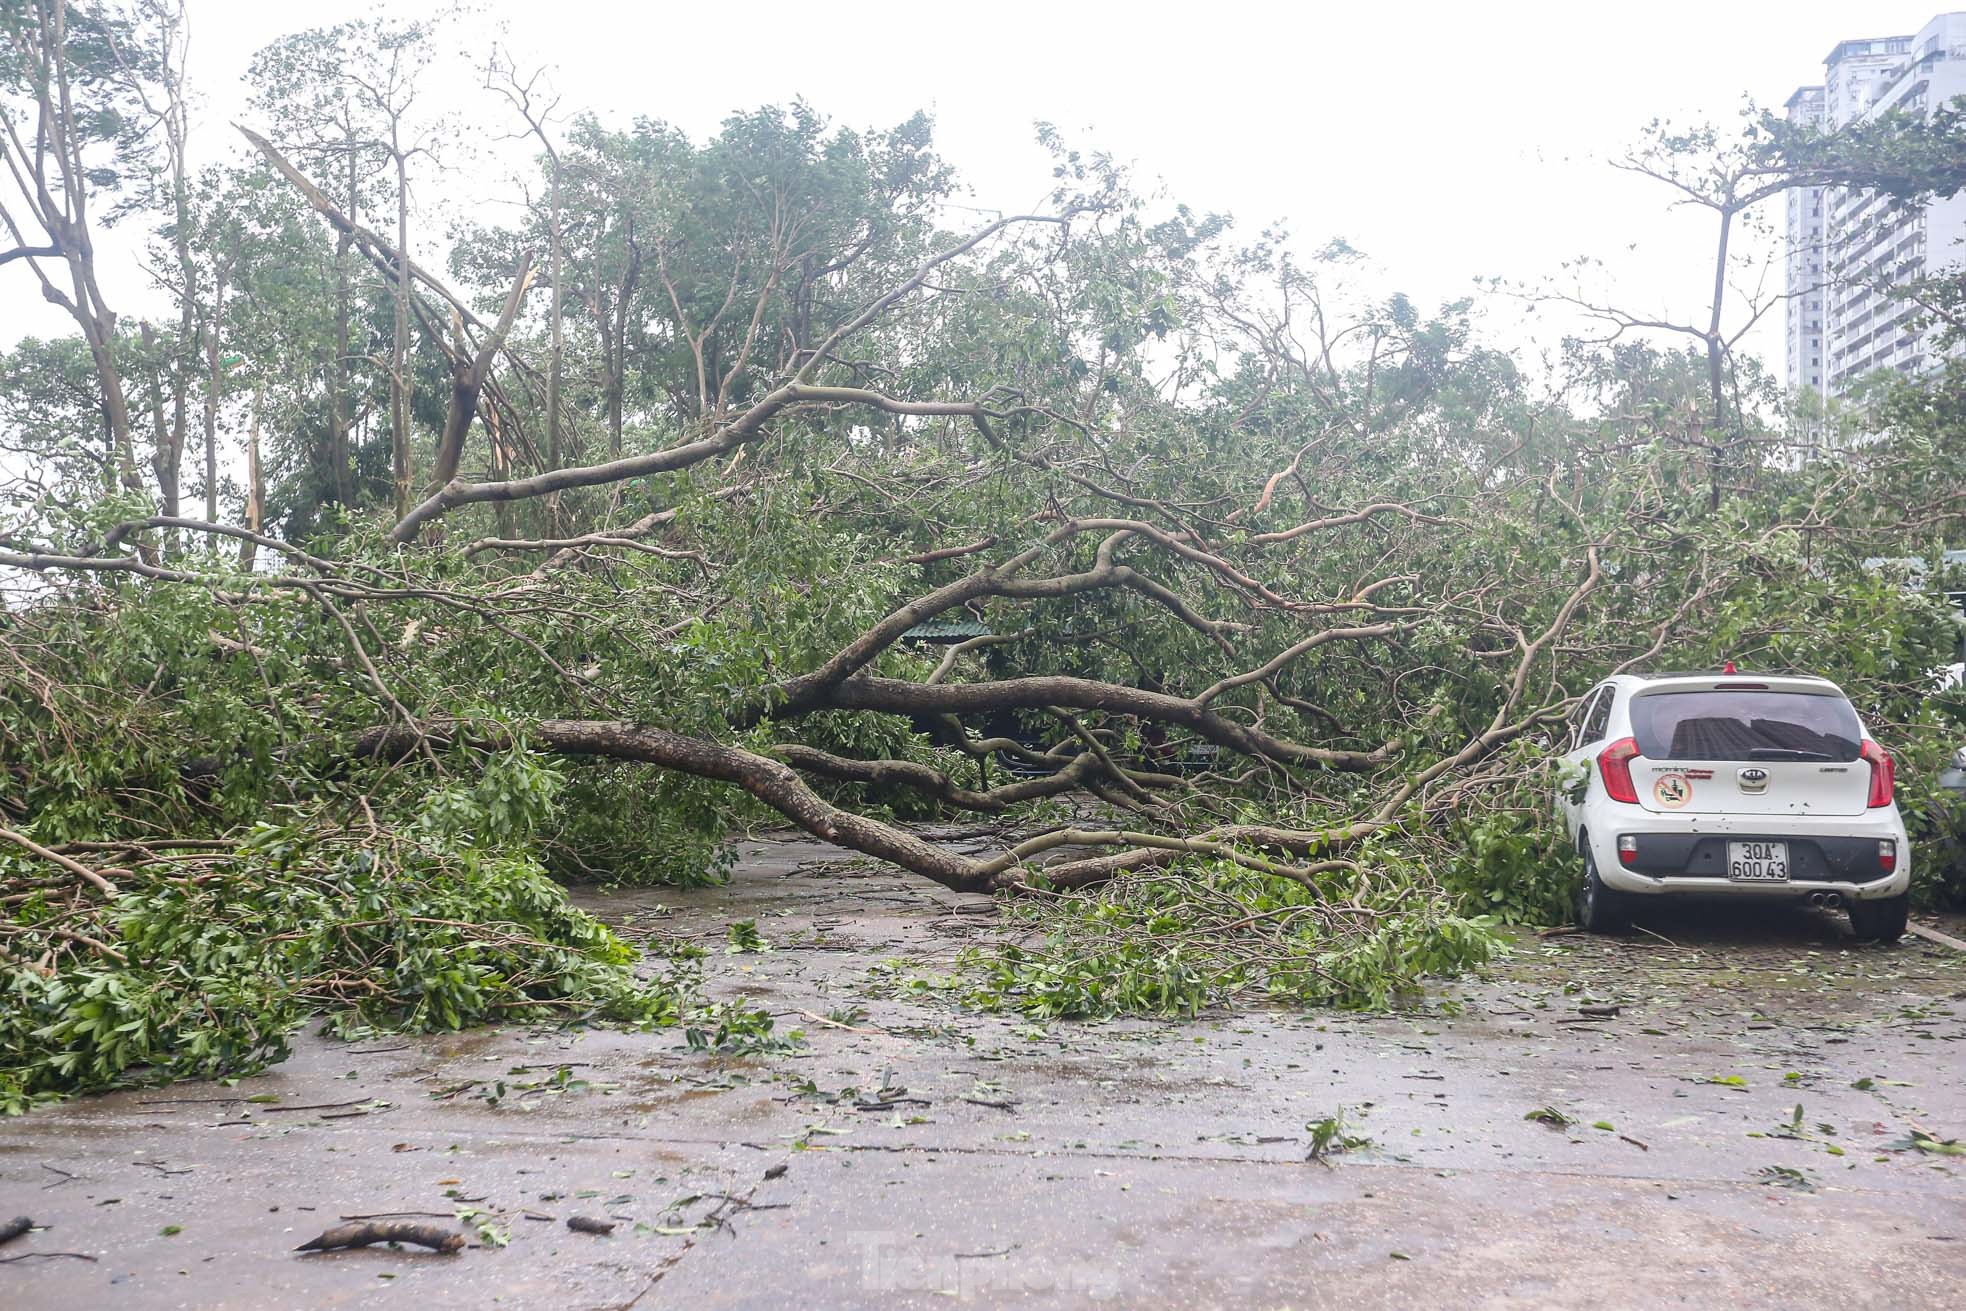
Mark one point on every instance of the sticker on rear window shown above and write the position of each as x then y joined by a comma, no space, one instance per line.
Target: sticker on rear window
1672,791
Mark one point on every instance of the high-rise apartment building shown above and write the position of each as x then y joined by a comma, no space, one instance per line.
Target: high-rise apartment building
1847,248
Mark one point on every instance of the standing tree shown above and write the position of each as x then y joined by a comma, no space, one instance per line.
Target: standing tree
348,94
1910,158
526,94
72,131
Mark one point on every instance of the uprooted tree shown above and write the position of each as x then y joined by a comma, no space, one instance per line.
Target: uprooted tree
1206,582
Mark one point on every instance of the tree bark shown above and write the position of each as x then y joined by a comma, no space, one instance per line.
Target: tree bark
468,374
166,460
618,358
771,781
340,462
212,377
399,354
556,453
255,487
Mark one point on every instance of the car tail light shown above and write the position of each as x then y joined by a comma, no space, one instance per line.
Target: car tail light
1887,855
1614,763
1883,773
1627,849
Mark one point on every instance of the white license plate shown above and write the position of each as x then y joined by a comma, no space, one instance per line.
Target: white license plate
1758,862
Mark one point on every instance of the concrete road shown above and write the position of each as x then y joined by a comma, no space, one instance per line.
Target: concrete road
1739,1134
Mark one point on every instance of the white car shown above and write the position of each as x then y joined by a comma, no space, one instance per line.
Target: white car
1732,785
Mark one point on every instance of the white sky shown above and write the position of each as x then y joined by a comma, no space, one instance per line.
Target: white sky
1446,140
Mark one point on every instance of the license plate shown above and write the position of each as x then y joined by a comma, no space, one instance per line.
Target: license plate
1758,862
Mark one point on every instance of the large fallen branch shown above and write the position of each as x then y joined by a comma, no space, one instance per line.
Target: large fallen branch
80,871
901,697
773,782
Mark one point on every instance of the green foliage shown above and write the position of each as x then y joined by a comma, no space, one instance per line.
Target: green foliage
1330,1137
638,826
736,1029
227,955
1209,931
1511,864
743,936
1908,156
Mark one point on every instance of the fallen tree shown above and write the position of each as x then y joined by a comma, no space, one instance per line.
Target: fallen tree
1178,562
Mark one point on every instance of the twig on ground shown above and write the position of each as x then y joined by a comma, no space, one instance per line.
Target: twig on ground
836,1024
1660,936
983,1101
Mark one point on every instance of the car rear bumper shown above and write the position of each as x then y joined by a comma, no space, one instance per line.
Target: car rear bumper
1687,854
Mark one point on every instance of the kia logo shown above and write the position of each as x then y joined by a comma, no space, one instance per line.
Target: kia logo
1754,779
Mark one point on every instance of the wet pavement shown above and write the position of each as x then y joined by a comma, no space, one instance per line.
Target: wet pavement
1740,1132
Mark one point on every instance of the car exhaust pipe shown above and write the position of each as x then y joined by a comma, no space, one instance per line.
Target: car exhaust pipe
1818,899
1831,900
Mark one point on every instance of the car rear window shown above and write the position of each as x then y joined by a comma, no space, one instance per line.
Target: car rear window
1736,724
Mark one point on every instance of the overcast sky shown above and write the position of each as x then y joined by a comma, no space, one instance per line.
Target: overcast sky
1446,140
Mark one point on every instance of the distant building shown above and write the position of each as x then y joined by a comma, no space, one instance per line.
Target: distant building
1846,247
1805,262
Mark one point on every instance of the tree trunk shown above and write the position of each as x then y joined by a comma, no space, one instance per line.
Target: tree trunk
771,781
340,462
211,393
399,371
618,365
255,485
167,459
100,333
181,346
501,465
468,374
556,452
1716,372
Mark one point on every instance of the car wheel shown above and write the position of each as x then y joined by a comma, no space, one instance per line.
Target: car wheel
1599,909
1883,919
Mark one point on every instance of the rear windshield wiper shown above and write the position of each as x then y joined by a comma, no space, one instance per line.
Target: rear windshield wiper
1787,753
